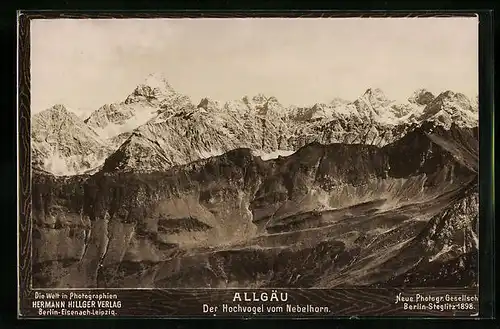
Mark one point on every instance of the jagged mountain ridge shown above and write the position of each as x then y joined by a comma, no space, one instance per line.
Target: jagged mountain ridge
156,120
325,216
191,135
63,144
449,107
148,99
263,125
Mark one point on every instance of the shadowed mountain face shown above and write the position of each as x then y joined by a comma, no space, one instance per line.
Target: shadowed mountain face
325,216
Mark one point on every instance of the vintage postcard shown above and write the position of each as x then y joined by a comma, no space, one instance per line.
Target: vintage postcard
249,166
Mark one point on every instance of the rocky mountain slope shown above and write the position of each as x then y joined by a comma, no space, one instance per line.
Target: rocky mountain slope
192,134
147,100
63,144
325,216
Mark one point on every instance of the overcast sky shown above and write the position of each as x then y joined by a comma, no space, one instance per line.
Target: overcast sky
87,63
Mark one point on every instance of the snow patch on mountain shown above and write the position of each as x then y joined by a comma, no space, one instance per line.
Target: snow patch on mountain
56,164
63,144
272,155
150,98
115,119
205,154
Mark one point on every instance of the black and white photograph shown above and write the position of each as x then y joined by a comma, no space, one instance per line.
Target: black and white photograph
254,153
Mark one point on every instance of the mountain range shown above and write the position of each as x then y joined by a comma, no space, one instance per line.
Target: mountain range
157,122
158,191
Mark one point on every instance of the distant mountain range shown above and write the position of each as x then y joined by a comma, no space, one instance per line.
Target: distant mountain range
158,191
158,123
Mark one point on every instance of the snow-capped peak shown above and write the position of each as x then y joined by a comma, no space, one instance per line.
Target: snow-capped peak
59,107
339,101
154,88
264,105
157,81
58,110
375,96
450,107
421,97
208,104
260,98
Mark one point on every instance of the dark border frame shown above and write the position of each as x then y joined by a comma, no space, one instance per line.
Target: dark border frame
486,91
486,167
